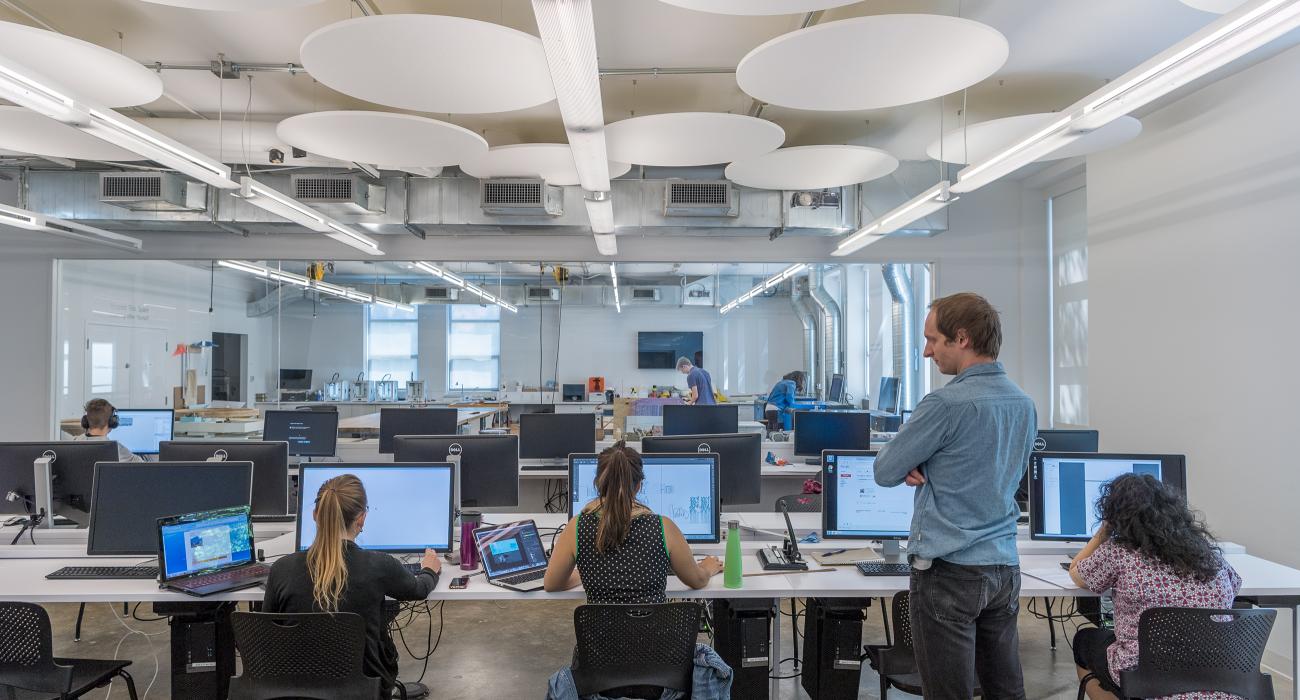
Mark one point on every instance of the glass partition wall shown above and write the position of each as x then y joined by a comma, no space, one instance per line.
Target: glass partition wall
163,334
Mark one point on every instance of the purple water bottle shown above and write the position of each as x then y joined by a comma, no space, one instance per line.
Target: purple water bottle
469,520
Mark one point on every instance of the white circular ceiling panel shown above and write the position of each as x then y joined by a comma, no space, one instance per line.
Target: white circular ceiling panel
431,63
234,5
552,162
759,7
24,130
681,139
87,70
812,167
236,141
1215,6
872,62
986,138
381,137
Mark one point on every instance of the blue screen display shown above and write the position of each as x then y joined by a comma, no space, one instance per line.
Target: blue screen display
195,546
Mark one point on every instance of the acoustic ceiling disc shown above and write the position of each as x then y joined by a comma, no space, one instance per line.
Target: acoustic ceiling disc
88,71
552,162
381,137
1215,6
28,132
872,62
680,139
235,141
812,167
759,7
234,5
431,63
987,138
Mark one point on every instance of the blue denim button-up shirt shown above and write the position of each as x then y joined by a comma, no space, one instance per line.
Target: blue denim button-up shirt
972,440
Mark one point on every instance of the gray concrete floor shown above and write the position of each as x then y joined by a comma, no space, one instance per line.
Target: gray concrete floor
507,650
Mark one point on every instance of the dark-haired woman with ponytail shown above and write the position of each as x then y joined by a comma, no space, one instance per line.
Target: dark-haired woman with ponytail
617,549
335,575
1151,551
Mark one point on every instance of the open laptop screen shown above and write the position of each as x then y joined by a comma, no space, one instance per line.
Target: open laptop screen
510,548
205,541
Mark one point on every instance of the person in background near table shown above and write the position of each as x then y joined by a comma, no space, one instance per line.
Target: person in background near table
779,411
964,450
619,550
336,575
1152,551
698,380
99,421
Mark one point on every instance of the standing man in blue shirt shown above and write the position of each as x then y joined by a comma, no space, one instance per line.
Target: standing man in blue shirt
699,381
964,450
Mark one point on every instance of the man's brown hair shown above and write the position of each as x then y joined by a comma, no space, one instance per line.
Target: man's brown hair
974,314
98,413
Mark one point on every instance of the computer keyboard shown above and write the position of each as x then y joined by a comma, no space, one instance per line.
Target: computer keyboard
884,568
104,572
228,575
520,579
274,518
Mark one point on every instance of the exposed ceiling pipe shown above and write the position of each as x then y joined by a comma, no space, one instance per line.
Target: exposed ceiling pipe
367,7
798,300
899,283
832,327
295,68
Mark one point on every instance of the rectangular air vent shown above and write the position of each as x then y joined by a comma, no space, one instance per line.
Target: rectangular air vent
441,294
152,192
339,194
521,197
645,294
700,198
543,294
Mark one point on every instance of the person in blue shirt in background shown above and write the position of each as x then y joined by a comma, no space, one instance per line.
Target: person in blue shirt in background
779,411
699,381
964,450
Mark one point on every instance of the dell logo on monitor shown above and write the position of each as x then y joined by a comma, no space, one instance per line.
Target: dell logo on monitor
454,448
1040,444
704,448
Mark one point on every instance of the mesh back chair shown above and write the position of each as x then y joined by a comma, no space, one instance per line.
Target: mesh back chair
801,503
622,646
1183,650
301,655
896,662
27,661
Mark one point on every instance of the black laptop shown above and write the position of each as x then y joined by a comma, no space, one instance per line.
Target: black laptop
210,552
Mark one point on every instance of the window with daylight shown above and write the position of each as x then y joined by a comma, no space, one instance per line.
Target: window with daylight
392,343
473,347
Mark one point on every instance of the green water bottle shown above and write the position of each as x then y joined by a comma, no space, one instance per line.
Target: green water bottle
731,567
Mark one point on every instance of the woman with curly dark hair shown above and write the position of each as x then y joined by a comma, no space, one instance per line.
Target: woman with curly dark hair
1151,551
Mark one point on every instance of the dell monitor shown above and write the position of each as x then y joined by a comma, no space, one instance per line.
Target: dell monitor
270,466
554,436
815,431
414,421
410,505
130,497
1057,441
683,487
140,430
1064,488
489,464
888,396
740,461
72,475
701,420
836,392
309,433
855,507
295,379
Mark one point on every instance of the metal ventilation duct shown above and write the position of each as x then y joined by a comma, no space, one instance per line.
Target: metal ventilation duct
899,283
808,319
832,324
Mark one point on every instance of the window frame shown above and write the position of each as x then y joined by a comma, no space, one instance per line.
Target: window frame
452,357
370,357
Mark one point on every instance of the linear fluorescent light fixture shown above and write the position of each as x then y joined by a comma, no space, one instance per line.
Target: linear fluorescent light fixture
920,206
286,207
770,282
474,289
1228,38
32,221
296,280
569,39
613,276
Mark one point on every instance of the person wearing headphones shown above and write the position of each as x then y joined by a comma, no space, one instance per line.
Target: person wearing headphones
99,421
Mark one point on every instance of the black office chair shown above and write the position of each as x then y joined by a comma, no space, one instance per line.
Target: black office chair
27,661
1183,650
631,648
896,662
302,655
800,503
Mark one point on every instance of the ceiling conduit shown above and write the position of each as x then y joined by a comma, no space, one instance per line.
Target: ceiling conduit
899,283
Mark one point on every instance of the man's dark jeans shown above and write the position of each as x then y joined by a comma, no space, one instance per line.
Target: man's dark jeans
964,627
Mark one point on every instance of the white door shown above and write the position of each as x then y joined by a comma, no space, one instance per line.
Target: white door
108,360
151,364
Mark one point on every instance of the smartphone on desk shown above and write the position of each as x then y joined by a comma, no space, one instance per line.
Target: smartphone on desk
458,583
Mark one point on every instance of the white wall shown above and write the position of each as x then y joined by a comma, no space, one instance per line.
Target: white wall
26,333
327,339
1193,252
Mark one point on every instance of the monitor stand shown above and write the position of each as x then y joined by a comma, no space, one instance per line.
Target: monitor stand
813,460
891,551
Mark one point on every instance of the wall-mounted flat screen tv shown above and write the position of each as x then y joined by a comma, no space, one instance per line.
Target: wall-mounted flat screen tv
660,349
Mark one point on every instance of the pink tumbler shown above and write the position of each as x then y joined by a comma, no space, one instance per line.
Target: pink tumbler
468,552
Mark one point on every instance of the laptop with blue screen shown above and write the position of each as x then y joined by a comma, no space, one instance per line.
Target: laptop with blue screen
211,552
512,554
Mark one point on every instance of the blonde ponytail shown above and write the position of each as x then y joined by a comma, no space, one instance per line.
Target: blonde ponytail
339,502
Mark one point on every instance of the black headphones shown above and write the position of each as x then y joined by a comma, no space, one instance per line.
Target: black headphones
113,421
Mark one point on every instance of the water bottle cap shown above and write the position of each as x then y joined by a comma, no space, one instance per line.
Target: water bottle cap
733,523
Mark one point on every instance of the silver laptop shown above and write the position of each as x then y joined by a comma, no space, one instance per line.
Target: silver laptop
512,554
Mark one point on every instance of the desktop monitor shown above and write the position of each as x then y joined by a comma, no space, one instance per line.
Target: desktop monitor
556,435
295,379
140,430
489,464
1064,488
309,433
836,392
410,504
683,487
1057,441
73,473
414,421
887,397
701,420
815,431
740,461
130,497
855,507
270,466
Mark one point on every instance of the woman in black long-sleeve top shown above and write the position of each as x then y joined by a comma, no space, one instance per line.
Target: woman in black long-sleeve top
336,575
